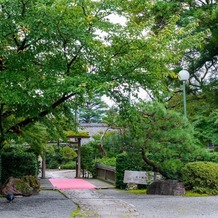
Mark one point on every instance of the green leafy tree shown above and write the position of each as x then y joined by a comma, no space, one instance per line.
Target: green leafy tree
93,110
52,56
164,138
201,62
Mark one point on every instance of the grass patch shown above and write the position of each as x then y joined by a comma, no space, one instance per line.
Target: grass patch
75,212
137,191
187,194
194,194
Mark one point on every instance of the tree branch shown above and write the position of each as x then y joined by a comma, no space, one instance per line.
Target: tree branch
16,128
153,165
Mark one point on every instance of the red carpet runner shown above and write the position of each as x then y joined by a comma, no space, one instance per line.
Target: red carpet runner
71,184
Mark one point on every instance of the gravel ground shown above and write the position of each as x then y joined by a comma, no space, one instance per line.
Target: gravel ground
156,206
46,204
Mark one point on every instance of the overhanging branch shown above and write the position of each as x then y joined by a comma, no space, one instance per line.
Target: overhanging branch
16,128
153,165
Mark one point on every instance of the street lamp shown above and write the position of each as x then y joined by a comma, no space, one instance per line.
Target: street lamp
184,76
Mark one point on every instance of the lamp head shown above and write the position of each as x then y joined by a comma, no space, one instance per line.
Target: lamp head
184,75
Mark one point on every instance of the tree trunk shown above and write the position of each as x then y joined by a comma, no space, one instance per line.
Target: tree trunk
154,166
0,169
43,168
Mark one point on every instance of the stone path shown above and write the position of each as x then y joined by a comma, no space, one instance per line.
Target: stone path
96,204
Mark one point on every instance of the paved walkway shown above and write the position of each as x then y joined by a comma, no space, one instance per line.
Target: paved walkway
105,202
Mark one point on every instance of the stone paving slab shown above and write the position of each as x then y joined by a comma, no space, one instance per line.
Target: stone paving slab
94,204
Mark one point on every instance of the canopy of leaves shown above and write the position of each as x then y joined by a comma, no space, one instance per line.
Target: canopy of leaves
54,52
207,128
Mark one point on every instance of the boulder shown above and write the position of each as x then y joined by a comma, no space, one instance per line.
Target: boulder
17,187
33,182
166,187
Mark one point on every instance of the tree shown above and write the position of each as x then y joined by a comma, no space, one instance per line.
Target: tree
200,61
165,139
207,128
52,56
93,110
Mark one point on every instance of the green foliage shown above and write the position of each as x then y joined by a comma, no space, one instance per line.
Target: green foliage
165,137
58,156
137,191
207,128
93,110
52,57
88,159
108,161
194,194
68,154
200,61
68,165
36,137
201,177
18,162
121,166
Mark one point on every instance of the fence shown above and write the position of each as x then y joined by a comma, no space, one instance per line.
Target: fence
106,173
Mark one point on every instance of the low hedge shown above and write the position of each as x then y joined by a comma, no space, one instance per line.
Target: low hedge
17,162
201,177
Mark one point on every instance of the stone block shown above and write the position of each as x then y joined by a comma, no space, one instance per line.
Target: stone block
166,187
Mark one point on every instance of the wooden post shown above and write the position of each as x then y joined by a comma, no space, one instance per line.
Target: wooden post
79,159
43,168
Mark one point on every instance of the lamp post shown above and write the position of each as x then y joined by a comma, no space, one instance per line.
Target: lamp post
184,76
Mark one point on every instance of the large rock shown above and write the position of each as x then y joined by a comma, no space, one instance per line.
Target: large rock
166,187
17,187
33,182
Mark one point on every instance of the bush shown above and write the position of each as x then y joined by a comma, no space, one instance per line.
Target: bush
108,161
88,159
17,162
201,177
60,157
69,165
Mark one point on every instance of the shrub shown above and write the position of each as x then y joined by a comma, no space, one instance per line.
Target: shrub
201,177
108,161
69,165
17,162
60,157
67,154
88,159
52,164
